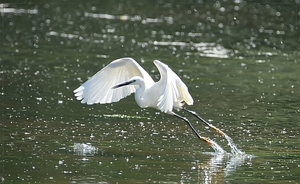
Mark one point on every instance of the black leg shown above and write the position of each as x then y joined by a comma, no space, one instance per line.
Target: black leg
207,140
205,122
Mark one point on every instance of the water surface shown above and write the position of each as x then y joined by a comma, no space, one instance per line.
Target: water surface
240,61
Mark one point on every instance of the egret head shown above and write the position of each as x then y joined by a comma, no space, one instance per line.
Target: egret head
133,81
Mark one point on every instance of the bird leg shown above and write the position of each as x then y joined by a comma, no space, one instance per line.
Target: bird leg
205,122
205,139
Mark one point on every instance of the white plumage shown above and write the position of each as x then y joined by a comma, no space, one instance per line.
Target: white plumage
124,76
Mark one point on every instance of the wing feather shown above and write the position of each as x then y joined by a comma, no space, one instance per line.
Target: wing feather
173,92
98,89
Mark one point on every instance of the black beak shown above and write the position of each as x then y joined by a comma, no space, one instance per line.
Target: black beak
123,84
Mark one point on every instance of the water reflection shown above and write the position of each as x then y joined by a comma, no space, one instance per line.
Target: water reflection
4,9
220,166
134,18
205,49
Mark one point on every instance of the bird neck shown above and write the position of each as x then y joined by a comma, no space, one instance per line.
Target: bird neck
139,94
141,89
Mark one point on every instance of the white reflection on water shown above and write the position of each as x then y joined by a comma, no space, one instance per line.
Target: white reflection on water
71,36
235,162
5,9
205,49
220,166
134,18
122,116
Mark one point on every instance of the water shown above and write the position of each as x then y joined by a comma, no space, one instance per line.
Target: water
218,149
234,149
240,61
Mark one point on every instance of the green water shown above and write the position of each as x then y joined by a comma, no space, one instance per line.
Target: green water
239,59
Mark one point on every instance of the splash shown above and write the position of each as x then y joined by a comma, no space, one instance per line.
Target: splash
215,146
234,148
82,149
218,149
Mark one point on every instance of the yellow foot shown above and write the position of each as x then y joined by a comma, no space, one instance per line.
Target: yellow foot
207,140
219,131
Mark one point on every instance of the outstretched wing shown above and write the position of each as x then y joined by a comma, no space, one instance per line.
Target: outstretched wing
173,92
98,89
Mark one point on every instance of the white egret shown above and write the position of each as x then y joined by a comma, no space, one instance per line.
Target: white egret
124,76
